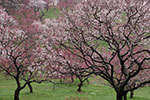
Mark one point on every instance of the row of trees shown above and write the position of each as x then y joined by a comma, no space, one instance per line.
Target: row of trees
107,38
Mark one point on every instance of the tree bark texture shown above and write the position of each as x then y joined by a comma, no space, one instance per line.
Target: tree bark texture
119,96
131,94
30,87
16,95
79,87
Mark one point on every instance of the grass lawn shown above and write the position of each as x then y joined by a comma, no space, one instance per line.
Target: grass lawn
94,91
51,13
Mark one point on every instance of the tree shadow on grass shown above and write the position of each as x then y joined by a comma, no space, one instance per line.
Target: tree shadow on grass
139,98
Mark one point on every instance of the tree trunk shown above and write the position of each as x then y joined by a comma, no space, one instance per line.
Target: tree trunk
125,96
79,87
131,93
47,7
16,95
41,16
30,87
72,79
17,91
119,96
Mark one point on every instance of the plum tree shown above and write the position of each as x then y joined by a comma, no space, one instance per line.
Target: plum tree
20,51
111,37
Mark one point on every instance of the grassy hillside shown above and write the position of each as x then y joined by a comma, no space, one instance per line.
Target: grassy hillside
94,91
51,13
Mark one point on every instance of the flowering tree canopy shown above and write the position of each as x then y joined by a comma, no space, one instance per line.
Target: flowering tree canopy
37,4
20,48
112,37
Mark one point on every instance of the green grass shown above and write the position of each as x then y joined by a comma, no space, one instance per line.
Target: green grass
44,91
51,13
